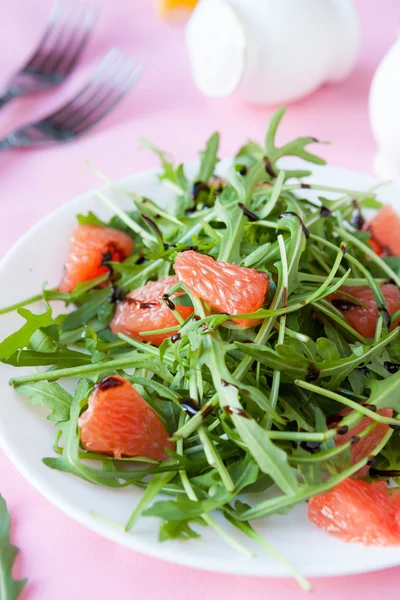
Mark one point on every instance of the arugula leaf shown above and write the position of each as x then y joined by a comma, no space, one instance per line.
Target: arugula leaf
94,302
208,159
9,587
172,530
20,339
48,395
386,392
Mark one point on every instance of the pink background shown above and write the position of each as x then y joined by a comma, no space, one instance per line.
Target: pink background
61,558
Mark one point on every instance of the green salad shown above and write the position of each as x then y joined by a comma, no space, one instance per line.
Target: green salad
254,400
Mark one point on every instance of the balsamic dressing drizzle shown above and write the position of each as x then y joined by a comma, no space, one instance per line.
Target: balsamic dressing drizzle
384,473
250,215
168,302
232,410
312,447
108,383
324,212
190,407
117,295
294,214
313,374
391,367
268,167
343,304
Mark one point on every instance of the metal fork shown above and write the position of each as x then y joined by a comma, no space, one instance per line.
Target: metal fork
58,51
109,83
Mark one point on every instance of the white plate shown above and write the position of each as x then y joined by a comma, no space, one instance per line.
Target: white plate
26,436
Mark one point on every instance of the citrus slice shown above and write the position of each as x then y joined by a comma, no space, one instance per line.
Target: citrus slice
385,229
144,310
119,422
225,287
357,511
361,448
363,319
90,247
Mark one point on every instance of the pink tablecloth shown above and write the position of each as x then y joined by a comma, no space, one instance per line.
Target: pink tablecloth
61,558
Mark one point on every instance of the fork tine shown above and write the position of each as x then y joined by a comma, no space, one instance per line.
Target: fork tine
102,109
67,64
55,17
98,91
101,93
100,73
70,28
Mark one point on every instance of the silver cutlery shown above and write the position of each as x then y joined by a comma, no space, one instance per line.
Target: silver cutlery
111,80
57,53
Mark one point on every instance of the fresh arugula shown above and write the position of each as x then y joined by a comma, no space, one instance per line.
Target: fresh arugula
245,406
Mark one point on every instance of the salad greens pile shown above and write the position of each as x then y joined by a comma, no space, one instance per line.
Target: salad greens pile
247,407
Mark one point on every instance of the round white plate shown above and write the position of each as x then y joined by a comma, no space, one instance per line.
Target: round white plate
26,436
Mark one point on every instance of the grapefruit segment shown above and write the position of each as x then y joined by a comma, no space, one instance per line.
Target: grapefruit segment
385,229
89,248
363,447
143,310
357,511
363,319
119,422
225,287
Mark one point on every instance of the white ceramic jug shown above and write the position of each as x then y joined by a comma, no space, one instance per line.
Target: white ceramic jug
271,51
384,111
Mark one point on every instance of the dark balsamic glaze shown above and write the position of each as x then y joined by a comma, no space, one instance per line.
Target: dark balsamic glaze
206,411
176,337
108,383
343,304
391,368
312,447
168,302
342,430
333,420
196,318
190,407
313,374
371,460
243,171
359,220
305,186
247,213
371,407
112,253
198,187
232,410
140,260
194,248
268,167
354,439
324,212
384,473
294,214
153,226
117,295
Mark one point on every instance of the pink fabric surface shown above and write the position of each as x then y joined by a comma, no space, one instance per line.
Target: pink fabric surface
61,558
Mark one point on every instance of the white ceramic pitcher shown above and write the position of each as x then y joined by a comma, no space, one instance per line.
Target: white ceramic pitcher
384,111
271,51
